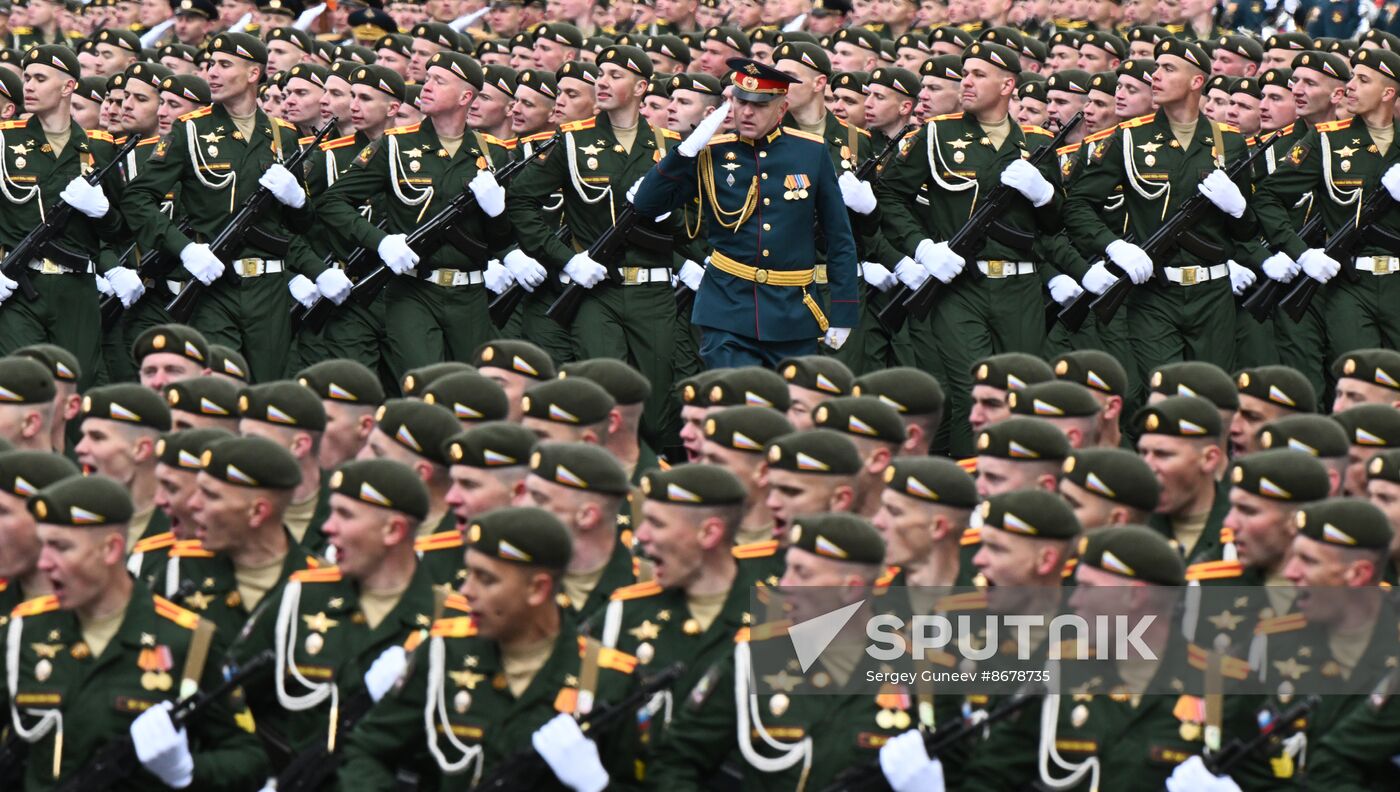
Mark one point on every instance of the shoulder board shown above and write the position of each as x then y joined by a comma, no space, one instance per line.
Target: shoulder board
157,542
1068,570
947,117
35,606
200,113
795,132
340,142
457,602
1101,134
891,572
403,130
456,627
438,541
1214,570
15,124
862,131
725,138
322,575
1137,122
1224,127
1288,130
21,30
121,140
4,584
169,610
762,632
150,141
755,549
97,134
637,591
913,132
1281,624
1070,149
537,137
284,124
610,659
1227,534
1333,126
505,143
190,548
1251,141
582,123
669,135
1230,667
1035,130
305,141
970,536
968,465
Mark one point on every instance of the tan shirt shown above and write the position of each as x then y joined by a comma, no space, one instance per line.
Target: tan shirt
706,608
997,133
298,517
255,582
451,144
1186,530
1382,137
626,136
377,604
100,632
579,585
1183,133
58,140
522,665
245,124
137,527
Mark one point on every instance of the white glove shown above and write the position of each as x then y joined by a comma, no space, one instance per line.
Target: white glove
1192,776
1280,267
585,271
636,185
7,287
201,262
1391,181
1063,289
878,276
572,756
1023,177
385,671
86,198
858,195
303,290
103,287
526,271
490,196
836,337
911,273
1132,259
498,278
396,254
162,749
283,186
333,285
1318,265
1222,192
905,762
706,129
940,260
691,274
126,284
1241,277
1098,278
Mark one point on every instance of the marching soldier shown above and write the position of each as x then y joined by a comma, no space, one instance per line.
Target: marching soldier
177,473
170,353
1068,406
629,389
915,395
876,431
27,421
516,366
1108,486
489,466
569,410
350,394
1370,428
1363,377
1315,435
22,473
1180,439
1019,453
472,398
290,415
811,472
1267,393
734,439
63,365
811,380
925,508
1200,379
203,402
414,434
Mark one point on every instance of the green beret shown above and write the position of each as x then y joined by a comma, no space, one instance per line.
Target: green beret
383,483
658,86
1031,512
1152,33
582,466
252,462
1025,439
693,389
1375,366
1329,64
187,86
418,426
543,82
1002,34
1373,425
1067,38
914,40
522,357
1383,38
818,373
896,79
1140,69
492,445
241,45
24,380
1382,60
998,55
950,34
230,362
1179,416
348,52
470,397
574,401
860,37
127,403
583,72
1054,399
861,416
694,485
396,42
1294,40
944,67
1188,51
560,33
1034,49
1218,82
1094,369
1384,466
851,81
297,38
82,502
380,78
625,384
1310,433
1011,371
437,33
1075,81
1107,42
908,390
284,403
750,385
694,81
1104,82
1133,551
183,52
844,537
1115,474
668,45
1279,78
1346,522
1030,87
460,64
932,479
746,428
631,59
313,73
121,39
805,53
522,535
62,364
23,473
152,74
1244,85
416,381
1243,46
1197,378
185,449
1280,385
1281,475
91,88
343,380
818,451
174,339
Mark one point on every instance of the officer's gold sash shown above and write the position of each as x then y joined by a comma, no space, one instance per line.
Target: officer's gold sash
798,278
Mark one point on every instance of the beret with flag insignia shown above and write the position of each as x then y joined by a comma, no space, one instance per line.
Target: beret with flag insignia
1281,475
1133,551
522,357
1279,78
1328,64
241,45
185,449
1384,466
383,483
470,397
697,82
1054,399
152,74
853,81
807,54
521,535
896,79
582,466
560,33
1375,366
625,384
492,445
932,479
1374,425
631,59
418,426
56,56
1075,81
1094,369
694,485
750,385
1346,522
127,403
860,37
544,83
1179,416
1296,41
578,70
82,502
1108,42
1188,51
61,363
24,380
998,55
229,362
1310,433
1031,512
343,380
908,390
574,401
93,89
1244,46
692,390
1382,60
252,462
668,45
1011,371
283,403
416,381
819,451
1104,82
950,34
212,396
1197,378
174,339
748,429
843,537
818,373
1152,33
23,473
439,34
1115,474
862,417
1029,86
1137,68
944,67
380,78
1023,439
461,65
1281,385
502,78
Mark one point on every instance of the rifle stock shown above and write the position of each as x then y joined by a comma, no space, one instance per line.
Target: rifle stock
1339,247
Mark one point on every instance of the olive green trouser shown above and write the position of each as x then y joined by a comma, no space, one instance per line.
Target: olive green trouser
1171,323
1304,344
148,312
1254,341
1363,314
64,313
425,323
249,315
354,331
542,331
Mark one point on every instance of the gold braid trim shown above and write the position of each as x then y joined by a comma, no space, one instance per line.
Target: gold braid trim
707,181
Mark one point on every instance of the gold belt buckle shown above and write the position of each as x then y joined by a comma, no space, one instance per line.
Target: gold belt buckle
250,267
996,269
1384,265
760,276
48,267
444,277
630,275
1188,276
819,273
